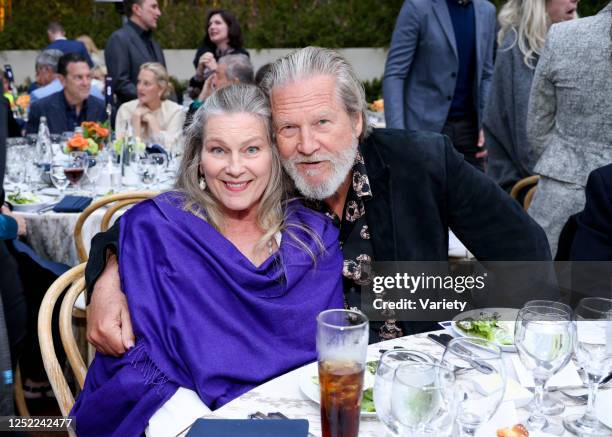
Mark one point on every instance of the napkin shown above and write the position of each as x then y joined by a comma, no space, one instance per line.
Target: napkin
72,204
248,428
566,377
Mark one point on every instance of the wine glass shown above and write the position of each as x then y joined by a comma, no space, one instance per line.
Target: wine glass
544,338
76,168
94,170
550,406
58,177
160,160
146,170
593,318
423,400
480,384
389,362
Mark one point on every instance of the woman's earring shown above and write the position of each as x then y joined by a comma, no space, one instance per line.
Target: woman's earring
202,183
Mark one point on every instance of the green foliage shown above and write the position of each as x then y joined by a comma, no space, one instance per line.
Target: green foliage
266,23
373,89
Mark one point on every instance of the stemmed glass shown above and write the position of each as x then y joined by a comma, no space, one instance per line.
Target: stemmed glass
423,400
593,318
550,406
146,170
388,363
480,362
544,337
94,170
76,168
160,160
58,177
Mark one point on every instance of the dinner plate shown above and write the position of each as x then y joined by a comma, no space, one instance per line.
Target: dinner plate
603,407
312,390
42,201
508,317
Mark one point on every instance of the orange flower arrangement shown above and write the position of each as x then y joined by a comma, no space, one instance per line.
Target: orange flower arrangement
78,142
92,139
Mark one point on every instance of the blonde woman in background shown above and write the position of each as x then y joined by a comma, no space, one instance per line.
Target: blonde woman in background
94,52
523,28
153,118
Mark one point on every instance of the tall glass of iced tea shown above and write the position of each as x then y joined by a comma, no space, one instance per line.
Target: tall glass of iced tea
342,344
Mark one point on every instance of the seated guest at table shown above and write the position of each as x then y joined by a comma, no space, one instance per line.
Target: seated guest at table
524,24
569,121
67,109
223,37
257,268
153,117
231,69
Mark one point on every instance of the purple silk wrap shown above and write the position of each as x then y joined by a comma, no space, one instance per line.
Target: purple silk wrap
204,316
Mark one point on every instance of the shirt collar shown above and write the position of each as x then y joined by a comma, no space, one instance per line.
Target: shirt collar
143,33
73,107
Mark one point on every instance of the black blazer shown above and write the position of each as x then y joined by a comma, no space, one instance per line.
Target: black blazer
421,187
54,108
593,238
124,54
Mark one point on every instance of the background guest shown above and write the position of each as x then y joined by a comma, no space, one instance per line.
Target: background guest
437,82
67,109
153,118
95,53
46,75
223,37
58,40
524,24
133,45
569,120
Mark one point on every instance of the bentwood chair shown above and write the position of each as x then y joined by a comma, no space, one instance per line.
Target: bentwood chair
117,202
74,281
529,183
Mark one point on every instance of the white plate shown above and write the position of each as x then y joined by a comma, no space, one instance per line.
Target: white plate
603,407
43,200
508,316
312,390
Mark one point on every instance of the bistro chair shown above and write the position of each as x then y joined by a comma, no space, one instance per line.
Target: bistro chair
530,183
74,282
116,202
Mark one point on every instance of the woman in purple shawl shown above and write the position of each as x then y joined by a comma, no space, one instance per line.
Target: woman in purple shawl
224,277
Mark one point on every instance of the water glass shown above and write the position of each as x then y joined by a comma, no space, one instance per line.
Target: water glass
593,318
160,161
480,382
94,170
544,338
342,343
423,400
388,363
146,170
58,177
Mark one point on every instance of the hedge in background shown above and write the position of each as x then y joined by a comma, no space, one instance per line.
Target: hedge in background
266,23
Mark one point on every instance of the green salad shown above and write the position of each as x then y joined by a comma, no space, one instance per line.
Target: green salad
488,326
22,198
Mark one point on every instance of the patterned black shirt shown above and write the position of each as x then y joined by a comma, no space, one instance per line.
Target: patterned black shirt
357,246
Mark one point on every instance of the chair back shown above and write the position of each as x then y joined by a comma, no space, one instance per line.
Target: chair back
74,282
118,201
529,183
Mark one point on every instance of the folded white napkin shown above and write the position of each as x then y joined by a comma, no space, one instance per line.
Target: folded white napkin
566,377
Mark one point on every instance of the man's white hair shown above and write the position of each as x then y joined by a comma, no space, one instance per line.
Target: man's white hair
314,61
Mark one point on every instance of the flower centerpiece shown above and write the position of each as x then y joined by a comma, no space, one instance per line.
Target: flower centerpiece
91,140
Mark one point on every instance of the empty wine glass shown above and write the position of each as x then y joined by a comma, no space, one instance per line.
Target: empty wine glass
94,170
58,177
593,318
480,384
423,400
389,362
76,168
544,338
146,170
160,160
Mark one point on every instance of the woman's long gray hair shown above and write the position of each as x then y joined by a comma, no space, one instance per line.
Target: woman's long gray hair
235,99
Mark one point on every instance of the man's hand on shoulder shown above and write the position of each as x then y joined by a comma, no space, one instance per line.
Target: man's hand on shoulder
109,327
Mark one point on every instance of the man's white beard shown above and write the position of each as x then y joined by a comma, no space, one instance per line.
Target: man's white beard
341,165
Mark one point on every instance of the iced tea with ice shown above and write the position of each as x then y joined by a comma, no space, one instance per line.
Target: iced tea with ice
341,388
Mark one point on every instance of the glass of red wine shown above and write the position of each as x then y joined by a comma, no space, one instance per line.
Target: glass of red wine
76,168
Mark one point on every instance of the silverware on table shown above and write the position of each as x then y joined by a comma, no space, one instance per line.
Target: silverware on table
480,365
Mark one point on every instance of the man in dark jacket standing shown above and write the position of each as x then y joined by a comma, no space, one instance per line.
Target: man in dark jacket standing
133,45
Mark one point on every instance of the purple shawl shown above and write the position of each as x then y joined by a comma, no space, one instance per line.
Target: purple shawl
205,318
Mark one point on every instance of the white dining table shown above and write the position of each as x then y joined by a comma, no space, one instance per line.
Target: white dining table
283,395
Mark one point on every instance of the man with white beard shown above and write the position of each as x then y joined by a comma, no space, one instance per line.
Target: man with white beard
393,193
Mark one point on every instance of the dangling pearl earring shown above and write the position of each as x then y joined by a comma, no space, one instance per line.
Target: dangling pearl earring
202,183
